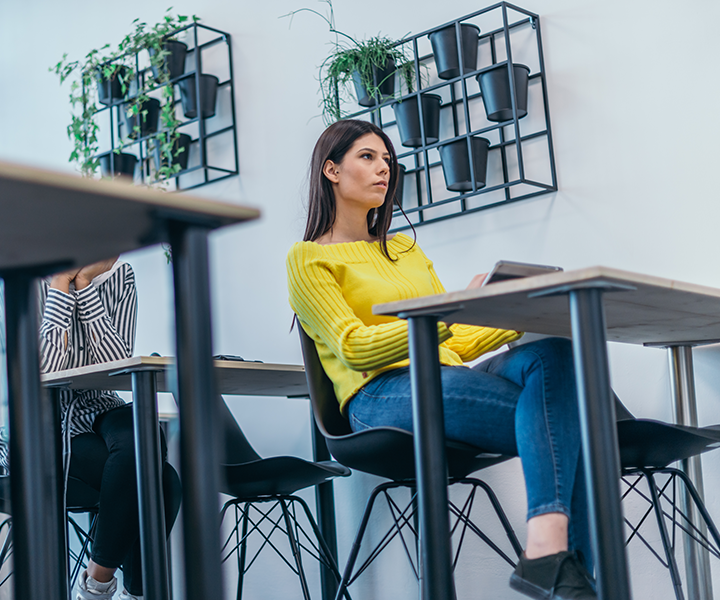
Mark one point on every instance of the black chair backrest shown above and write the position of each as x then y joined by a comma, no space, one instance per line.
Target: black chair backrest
325,405
236,449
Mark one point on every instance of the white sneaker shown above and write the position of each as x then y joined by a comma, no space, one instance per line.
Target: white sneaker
89,589
125,595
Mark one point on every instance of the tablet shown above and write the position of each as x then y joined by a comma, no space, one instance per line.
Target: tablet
507,269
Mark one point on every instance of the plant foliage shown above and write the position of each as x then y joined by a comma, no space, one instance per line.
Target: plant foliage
106,64
350,56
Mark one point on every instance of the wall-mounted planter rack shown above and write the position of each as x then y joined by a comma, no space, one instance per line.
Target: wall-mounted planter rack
211,132
516,171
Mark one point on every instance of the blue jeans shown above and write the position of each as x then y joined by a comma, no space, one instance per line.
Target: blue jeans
523,403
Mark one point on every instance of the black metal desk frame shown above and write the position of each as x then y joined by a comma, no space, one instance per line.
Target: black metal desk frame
602,463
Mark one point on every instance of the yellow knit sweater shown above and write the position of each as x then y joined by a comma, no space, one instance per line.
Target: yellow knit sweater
333,289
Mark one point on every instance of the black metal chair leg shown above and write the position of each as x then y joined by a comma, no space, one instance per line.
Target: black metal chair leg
698,502
295,549
242,554
669,554
344,582
509,531
325,549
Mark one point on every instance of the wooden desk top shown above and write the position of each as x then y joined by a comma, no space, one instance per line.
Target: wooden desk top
649,310
48,217
233,377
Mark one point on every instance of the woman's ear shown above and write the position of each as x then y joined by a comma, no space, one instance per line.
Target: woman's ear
330,170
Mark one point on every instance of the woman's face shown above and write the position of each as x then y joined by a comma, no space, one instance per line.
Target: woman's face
363,175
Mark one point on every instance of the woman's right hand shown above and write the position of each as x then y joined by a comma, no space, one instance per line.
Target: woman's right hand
477,281
61,281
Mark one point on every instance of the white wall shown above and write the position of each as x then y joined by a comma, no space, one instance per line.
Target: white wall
632,88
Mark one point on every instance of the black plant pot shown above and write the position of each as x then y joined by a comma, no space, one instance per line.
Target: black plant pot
408,120
495,88
110,90
175,61
444,45
182,142
400,185
384,78
208,96
456,163
148,124
123,164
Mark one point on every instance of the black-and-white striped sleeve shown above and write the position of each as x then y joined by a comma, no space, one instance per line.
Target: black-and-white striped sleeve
56,338
107,314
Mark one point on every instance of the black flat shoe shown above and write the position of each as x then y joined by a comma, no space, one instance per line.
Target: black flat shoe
559,576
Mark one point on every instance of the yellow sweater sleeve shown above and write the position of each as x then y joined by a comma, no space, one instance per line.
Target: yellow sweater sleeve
317,299
468,341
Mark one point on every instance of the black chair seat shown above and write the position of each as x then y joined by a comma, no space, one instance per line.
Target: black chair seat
646,443
279,475
388,452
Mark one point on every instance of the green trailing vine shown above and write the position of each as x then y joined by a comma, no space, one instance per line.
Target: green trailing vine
350,56
120,62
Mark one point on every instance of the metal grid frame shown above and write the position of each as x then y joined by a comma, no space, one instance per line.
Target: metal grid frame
460,103
203,136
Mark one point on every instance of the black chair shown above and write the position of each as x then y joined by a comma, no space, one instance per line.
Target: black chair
388,452
647,447
81,498
263,499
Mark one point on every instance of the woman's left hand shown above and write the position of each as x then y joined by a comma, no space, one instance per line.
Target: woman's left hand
477,281
88,273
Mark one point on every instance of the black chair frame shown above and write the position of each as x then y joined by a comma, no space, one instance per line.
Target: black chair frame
405,518
267,486
673,516
281,516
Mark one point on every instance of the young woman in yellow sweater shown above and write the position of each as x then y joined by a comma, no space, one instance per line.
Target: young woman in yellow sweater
521,402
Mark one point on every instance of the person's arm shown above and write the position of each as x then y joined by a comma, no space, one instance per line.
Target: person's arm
317,299
109,333
468,341
56,324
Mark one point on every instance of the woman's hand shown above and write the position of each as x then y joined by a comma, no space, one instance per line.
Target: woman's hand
87,274
477,281
61,281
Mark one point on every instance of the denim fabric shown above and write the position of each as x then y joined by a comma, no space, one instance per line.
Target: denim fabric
523,403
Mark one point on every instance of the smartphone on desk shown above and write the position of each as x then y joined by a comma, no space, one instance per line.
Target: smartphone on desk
507,269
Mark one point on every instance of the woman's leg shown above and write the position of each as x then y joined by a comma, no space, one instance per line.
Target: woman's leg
117,522
521,402
548,433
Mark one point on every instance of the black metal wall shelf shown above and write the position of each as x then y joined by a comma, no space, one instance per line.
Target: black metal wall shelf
205,165
512,175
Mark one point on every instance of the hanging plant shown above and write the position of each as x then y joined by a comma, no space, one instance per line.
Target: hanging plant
98,68
369,64
101,66
159,40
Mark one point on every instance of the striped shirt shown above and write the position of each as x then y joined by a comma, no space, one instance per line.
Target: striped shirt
85,327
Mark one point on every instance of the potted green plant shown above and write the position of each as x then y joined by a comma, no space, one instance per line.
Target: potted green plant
167,62
107,76
99,77
369,65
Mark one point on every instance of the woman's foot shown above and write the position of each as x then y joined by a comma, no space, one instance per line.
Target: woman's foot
559,576
89,589
125,595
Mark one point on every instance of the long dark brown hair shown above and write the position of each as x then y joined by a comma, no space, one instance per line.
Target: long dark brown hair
333,145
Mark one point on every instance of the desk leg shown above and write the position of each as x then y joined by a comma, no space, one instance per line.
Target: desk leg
197,398
436,579
599,440
697,558
325,506
153,545
35,482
